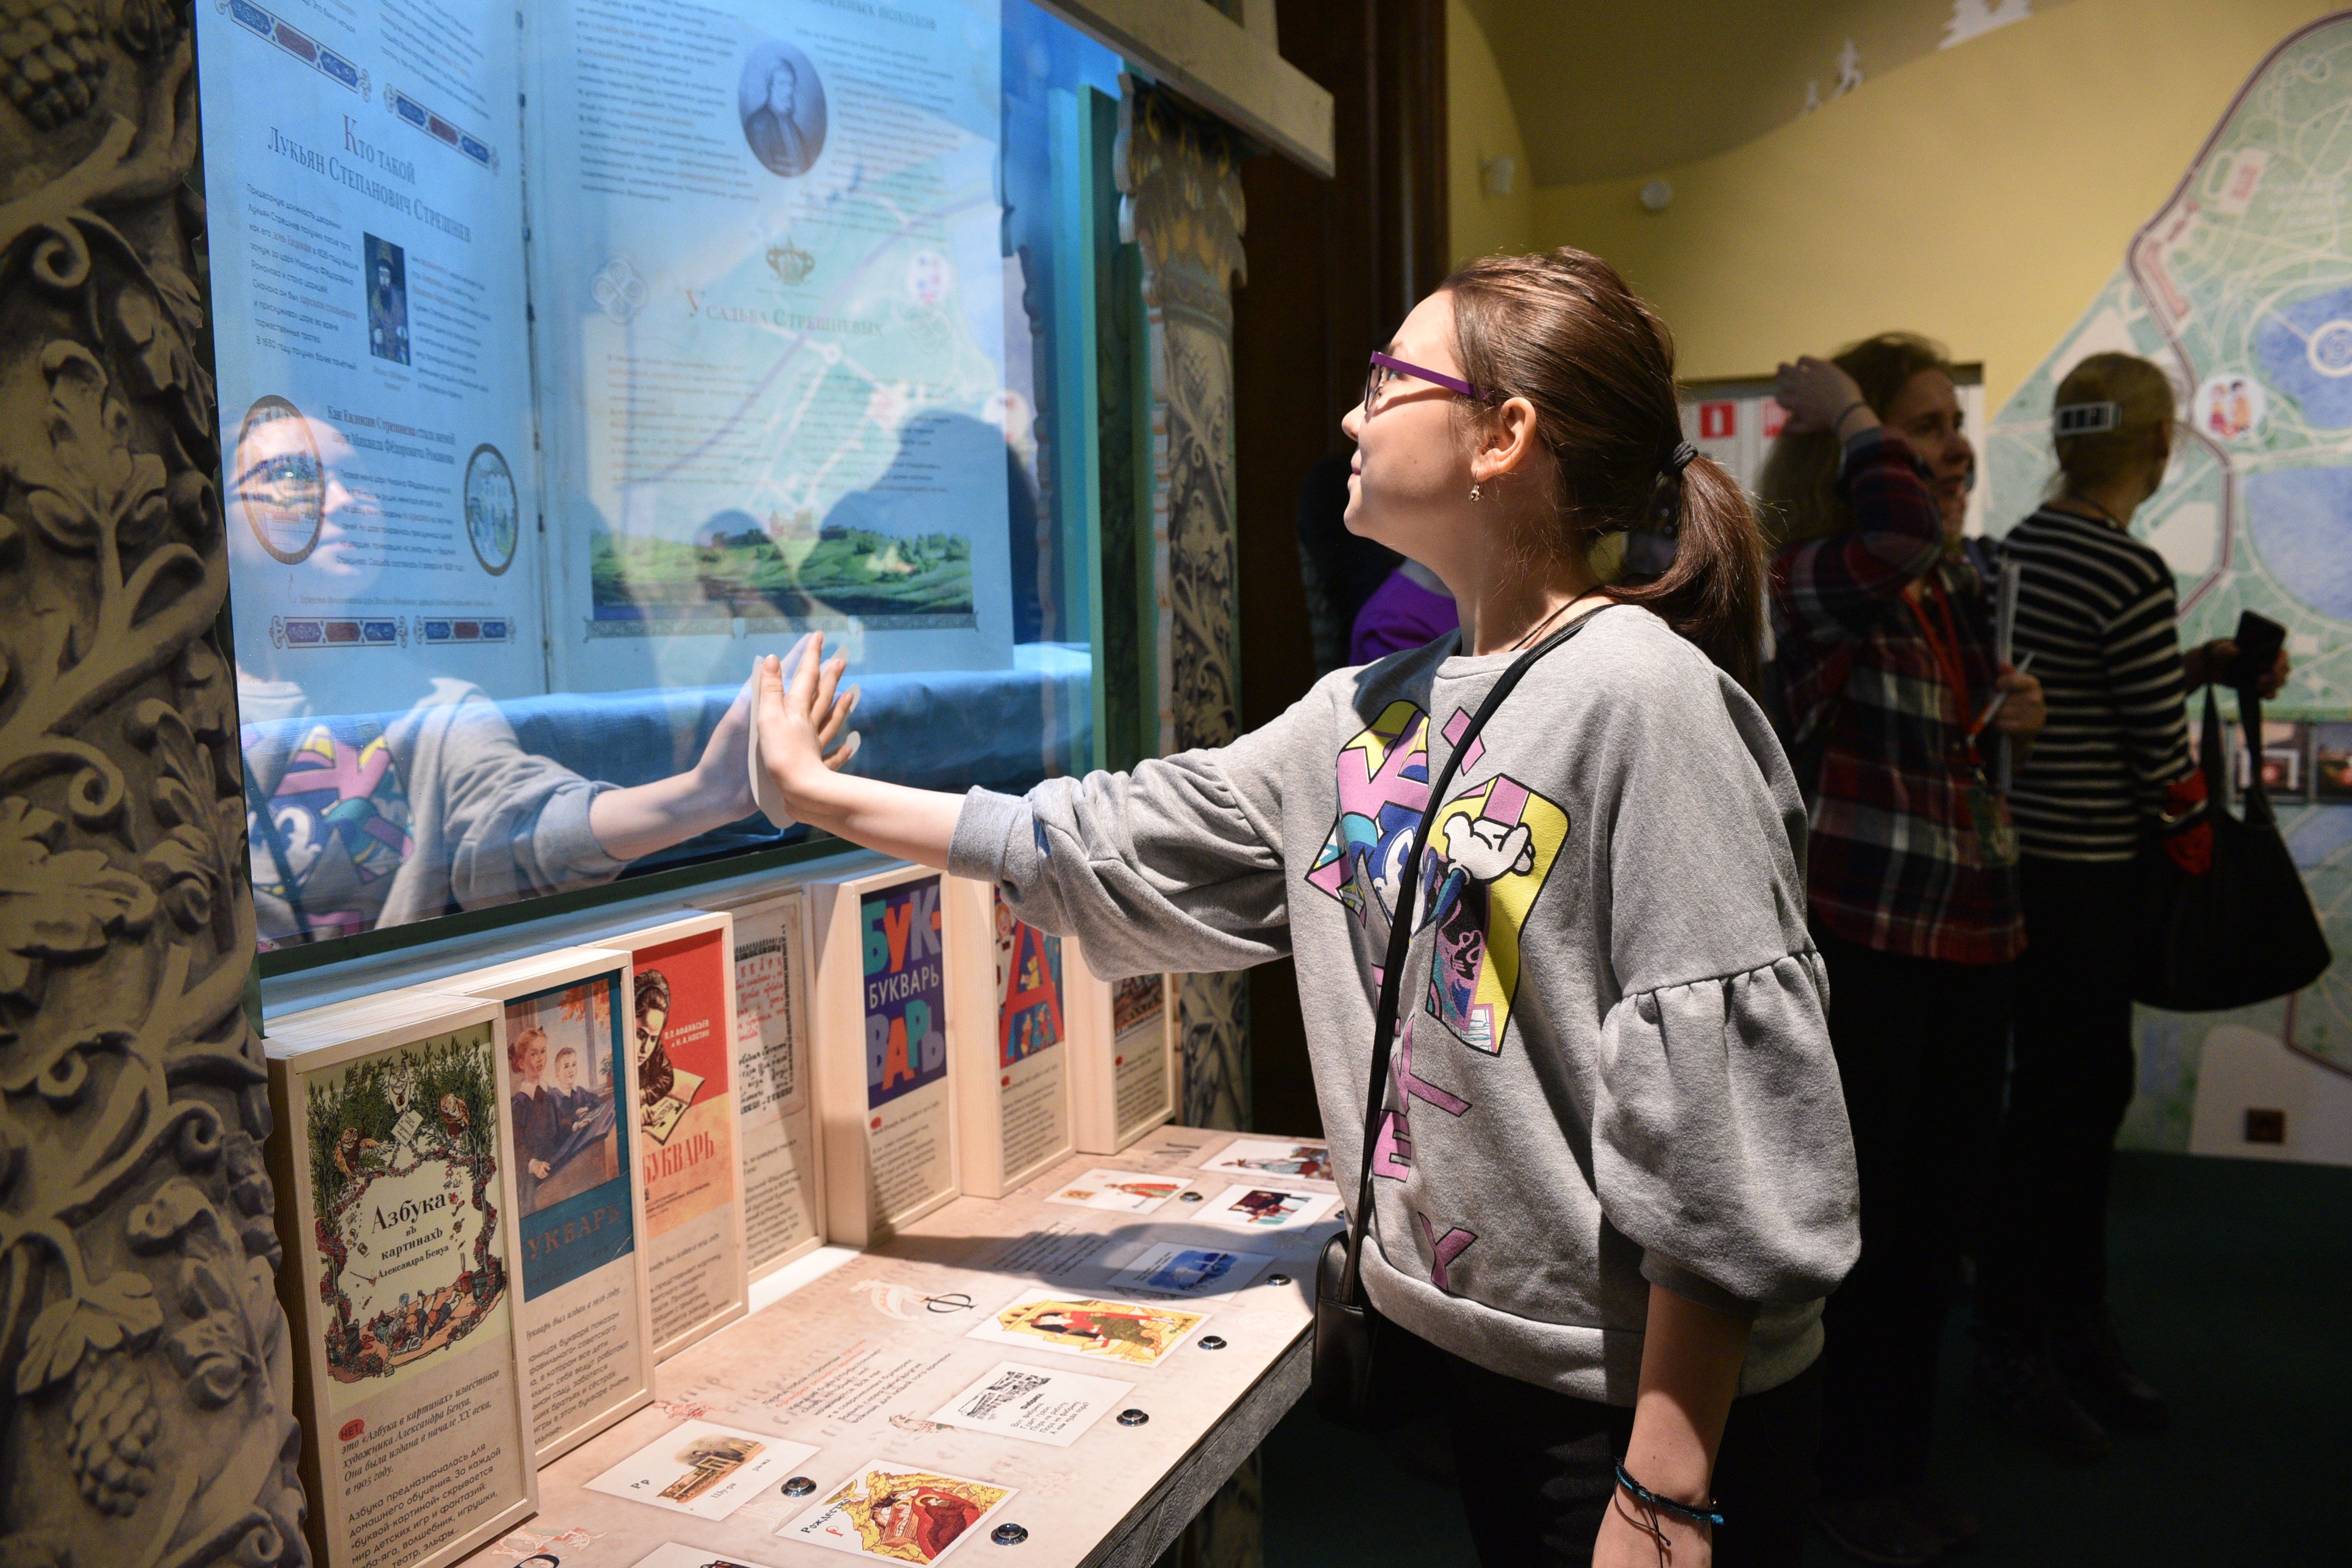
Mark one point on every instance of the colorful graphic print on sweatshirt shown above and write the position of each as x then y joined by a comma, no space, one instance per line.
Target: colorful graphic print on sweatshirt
1491,850
338,830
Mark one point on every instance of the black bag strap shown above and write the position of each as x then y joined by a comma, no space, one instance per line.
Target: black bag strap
2221,778
2258,795
1401,939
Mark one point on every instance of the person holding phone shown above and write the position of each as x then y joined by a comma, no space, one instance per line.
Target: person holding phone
1883,649
1613,1180
2096,608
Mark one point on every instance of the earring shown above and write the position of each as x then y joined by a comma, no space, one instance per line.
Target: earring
1477,493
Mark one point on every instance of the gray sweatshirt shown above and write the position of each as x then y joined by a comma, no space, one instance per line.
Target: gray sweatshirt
1612,1067
470,818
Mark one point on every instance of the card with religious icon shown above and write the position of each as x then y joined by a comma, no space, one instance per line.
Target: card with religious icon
1134,1333
896,1512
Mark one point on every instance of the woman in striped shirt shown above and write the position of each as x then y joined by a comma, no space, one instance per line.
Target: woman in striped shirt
2096,609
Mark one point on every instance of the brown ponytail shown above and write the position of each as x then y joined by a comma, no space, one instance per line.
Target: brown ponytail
1562,331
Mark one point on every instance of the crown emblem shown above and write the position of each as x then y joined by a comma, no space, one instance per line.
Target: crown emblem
792,263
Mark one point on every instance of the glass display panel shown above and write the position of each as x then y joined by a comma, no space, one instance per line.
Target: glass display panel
573,356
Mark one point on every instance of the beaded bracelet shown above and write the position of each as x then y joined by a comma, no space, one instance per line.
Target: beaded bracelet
1702,1514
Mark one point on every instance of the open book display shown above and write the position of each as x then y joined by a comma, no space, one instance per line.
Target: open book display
885,1076
683,1038
1125,1071
578,1201
399,1282
1010,1028
783,1179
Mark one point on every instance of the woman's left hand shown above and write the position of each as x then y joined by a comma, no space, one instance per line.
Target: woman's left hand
2211,661
2025,715
1628,1541
723,774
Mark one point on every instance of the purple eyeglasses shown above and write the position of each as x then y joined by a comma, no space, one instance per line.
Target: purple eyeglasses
1386,368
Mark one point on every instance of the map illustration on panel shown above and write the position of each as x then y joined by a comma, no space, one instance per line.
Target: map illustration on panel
2240,288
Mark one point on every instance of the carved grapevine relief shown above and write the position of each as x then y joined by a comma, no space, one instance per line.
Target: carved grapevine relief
1181,176
145,1365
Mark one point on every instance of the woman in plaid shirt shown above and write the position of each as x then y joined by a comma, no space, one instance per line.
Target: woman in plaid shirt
1881,627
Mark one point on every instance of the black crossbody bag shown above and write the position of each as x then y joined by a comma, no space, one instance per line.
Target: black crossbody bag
1357,1382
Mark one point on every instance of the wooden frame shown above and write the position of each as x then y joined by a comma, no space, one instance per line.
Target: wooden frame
1234,71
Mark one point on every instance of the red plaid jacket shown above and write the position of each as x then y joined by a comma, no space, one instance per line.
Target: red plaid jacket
1895,862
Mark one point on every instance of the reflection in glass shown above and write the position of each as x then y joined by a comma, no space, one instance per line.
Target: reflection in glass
541,431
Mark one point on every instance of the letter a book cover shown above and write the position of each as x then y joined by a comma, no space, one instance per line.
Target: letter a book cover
884,1067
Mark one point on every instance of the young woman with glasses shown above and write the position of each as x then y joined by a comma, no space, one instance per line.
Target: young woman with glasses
1612,1180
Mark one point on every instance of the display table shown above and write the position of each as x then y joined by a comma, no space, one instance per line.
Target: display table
857,1365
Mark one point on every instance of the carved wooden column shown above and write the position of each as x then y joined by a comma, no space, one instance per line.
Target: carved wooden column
144,1357
1180,174
1181,177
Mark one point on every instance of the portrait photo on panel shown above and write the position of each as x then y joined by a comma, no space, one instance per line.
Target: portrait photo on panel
782,101
387,296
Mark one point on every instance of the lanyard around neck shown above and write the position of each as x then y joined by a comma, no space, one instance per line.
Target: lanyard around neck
1944,645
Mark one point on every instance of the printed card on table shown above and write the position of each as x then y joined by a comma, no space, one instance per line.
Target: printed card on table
1128,1192
1134,1333
1266,1208
670,1555
1036,1404
1282,1158
1191,1270
898,1513
702,1468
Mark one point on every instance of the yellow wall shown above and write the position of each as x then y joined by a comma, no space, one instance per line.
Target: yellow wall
1982,194
1480,124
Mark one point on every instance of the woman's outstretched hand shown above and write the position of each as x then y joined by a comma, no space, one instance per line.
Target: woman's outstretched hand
799,713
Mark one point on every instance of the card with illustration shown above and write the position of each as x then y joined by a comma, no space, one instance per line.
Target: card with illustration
703,1469
1191,1270
670,1555
412,1254
1266,1208
1132,1332
1128,1192
898,1513
1259,1158
1038,1404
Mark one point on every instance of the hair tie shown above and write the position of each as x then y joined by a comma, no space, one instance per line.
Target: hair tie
2086,419
1650,546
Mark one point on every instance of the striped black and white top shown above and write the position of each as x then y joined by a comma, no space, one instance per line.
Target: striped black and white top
2097,609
